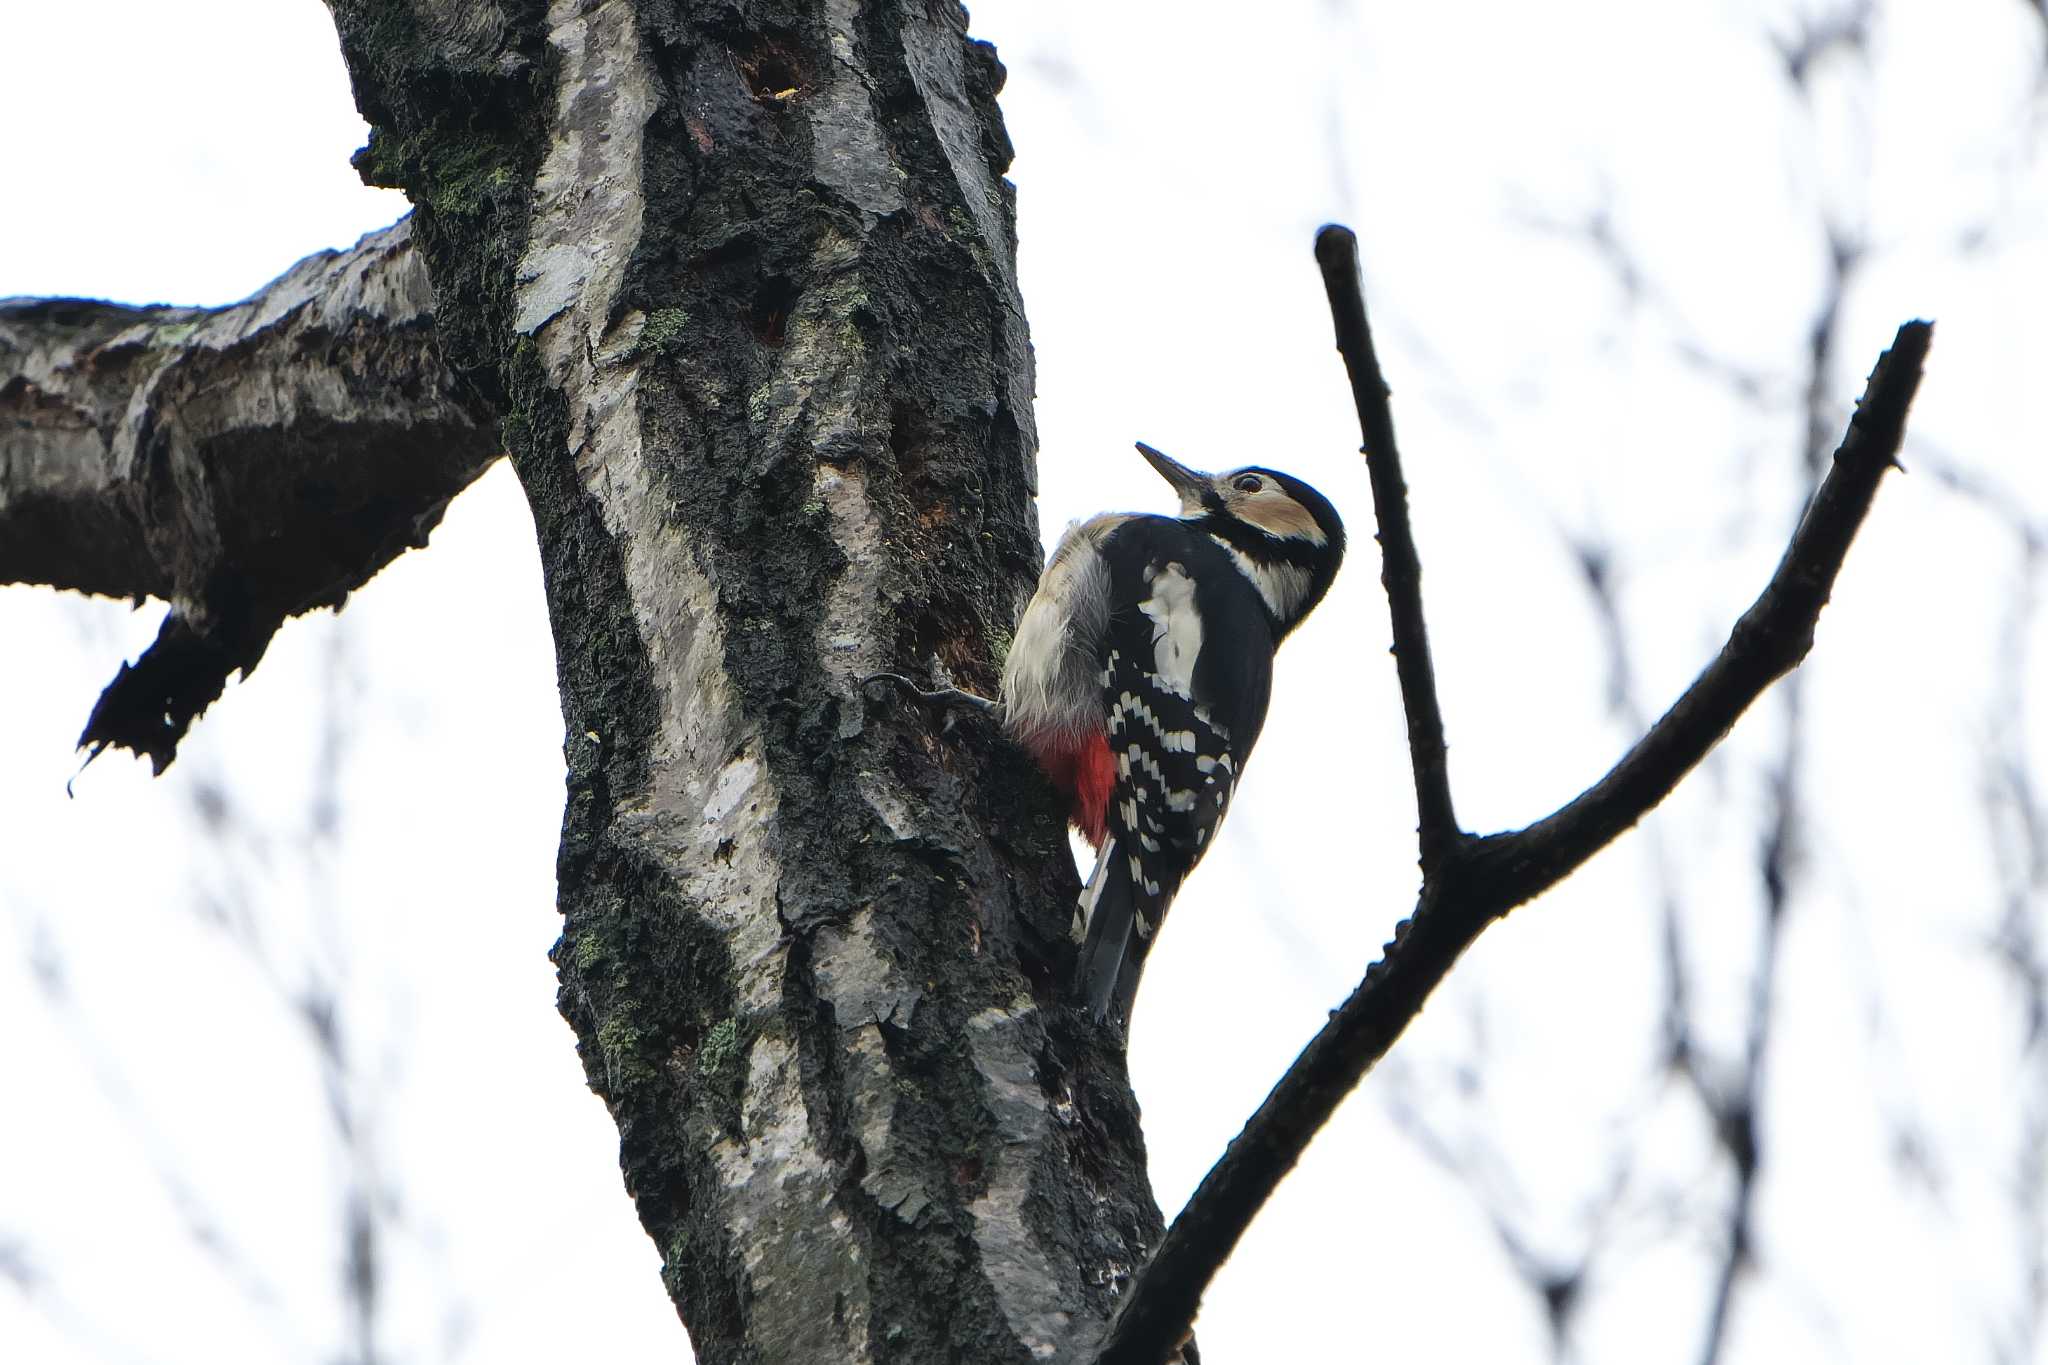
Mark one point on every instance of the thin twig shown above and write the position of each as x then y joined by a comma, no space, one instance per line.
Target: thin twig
1400,568
1480,881
1767,643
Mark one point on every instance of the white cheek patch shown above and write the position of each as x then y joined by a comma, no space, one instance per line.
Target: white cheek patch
1176,629
1277,514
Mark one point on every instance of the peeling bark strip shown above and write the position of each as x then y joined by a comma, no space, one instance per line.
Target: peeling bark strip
744,277
246,464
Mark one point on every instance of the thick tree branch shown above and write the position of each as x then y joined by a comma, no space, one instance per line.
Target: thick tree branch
1479,882
1400,567
246,463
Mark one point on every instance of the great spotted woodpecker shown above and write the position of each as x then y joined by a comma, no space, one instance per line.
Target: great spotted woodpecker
1139,676
1138,679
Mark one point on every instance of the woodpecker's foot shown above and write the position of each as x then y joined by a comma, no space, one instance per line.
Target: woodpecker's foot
944,699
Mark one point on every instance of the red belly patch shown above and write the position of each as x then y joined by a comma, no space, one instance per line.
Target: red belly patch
1085,773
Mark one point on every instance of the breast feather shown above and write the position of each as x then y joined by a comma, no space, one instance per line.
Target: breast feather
1052,678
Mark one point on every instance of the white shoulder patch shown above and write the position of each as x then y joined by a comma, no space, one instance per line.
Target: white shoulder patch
1176,628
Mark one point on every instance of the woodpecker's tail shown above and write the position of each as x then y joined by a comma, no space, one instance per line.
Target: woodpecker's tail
1119,932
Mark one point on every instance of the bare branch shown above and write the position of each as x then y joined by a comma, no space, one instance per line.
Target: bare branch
1481,880
1401,569
246,464
1770,640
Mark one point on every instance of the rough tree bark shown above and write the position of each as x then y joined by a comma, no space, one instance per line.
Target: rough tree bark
737,282
741,278
738,286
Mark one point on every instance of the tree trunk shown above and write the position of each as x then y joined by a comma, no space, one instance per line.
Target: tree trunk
741,280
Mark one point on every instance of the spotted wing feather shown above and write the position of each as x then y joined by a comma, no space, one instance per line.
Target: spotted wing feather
1182,712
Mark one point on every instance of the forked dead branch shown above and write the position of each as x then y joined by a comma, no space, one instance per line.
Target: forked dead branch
1468,880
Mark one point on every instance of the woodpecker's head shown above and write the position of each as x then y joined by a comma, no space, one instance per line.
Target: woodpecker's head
1285,536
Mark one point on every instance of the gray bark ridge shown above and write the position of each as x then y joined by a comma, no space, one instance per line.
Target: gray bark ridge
245,464
744,279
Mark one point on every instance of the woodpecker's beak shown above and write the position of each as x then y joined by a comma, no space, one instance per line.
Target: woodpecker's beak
1191,485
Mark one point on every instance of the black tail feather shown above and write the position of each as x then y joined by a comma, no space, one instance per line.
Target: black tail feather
1105,954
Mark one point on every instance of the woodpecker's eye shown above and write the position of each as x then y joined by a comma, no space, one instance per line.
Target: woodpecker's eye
1247,483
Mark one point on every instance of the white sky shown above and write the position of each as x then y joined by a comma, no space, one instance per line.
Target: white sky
1171,175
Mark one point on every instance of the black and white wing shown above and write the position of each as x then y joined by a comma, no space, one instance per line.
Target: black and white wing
1184,705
